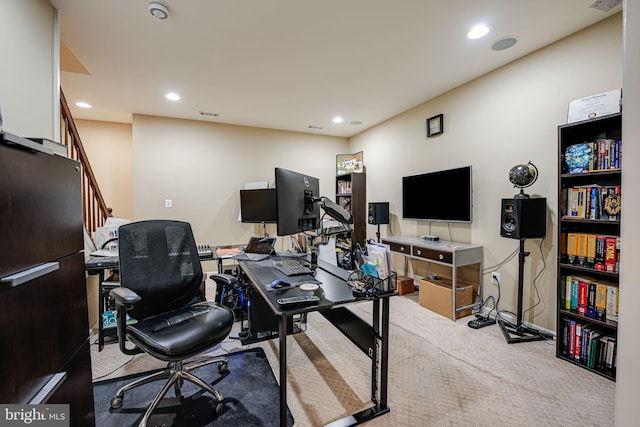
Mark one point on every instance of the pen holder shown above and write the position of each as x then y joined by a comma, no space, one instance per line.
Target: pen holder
388,284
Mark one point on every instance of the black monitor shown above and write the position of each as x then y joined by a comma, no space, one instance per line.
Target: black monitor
258,206
296,209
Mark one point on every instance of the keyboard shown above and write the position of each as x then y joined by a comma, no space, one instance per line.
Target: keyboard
291,267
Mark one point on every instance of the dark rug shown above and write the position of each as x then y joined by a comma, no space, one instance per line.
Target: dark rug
249,389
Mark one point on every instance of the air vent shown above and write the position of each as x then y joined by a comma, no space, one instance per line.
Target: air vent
504,43
314,127
605,5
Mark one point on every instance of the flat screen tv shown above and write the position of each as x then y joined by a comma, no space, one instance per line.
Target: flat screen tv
445,195
258,206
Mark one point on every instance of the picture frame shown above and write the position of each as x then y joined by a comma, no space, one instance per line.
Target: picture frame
435,125
349,163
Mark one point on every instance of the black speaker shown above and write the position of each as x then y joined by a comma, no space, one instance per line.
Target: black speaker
378,213
523,218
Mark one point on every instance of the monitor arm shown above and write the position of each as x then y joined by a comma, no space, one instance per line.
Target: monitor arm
334,210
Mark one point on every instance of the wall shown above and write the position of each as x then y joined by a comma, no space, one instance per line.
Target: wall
628,376
29,76
109,148
505,118
202,166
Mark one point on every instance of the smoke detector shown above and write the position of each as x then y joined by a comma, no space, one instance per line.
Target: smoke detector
158,10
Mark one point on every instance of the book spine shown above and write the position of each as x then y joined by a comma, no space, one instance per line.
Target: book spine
610,255
572,339
600,252
568,293
578,345
582,249
591,302
591,250
574,294
612,303
601,301
583,291
572,248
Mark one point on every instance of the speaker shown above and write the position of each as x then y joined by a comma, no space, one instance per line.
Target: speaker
378,213
523,218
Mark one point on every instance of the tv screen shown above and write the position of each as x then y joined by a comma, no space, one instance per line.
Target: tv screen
445,195
258,206
295,204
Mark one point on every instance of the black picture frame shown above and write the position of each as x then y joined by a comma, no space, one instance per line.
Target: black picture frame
434,125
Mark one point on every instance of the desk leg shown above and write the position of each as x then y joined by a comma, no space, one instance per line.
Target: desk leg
100,310
282,330
384,357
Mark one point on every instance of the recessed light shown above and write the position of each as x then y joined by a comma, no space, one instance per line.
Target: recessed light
82,104
478,31
172,96
338,119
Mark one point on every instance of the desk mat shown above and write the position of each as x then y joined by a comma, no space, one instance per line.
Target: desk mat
250,392
268,274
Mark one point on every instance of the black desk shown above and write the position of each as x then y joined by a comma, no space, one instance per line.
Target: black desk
334,293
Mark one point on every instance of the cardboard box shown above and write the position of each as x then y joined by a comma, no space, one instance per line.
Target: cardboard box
436,296
405,285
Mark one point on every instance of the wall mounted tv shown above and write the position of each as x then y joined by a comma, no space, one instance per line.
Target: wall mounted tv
258,206
445,196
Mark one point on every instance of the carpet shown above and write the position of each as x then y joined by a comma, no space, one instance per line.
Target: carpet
250,393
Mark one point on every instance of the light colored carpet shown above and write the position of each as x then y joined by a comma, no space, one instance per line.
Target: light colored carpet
441,373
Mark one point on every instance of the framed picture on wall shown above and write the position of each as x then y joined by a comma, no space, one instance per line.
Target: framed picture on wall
434,125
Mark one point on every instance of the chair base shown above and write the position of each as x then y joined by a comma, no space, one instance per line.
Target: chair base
176,373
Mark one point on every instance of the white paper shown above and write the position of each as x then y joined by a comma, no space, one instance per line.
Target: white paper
598,105
327,252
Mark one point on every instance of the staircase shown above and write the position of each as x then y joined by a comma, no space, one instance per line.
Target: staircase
94,208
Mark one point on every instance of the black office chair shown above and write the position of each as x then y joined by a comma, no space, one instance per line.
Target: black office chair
160,278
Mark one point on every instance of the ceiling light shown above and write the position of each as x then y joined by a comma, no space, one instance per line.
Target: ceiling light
338,119
478,31
172,96
82,104
158,10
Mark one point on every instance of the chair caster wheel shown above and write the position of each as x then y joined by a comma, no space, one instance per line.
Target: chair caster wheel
219,408
223,369
116,402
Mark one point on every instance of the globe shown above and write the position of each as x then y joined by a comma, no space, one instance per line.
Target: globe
522,176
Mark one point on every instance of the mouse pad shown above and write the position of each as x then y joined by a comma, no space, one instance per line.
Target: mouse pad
268,274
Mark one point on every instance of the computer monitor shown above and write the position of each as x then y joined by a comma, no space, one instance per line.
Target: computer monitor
296,208
258,206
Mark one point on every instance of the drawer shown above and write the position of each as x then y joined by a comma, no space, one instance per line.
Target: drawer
398,247
433,254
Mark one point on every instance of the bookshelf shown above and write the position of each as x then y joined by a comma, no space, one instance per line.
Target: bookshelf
589,206
351,194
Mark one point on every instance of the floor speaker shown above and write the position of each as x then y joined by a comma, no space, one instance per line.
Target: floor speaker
378,213
523,218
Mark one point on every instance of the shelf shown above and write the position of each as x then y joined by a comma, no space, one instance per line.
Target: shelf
609,373
590,271
601,322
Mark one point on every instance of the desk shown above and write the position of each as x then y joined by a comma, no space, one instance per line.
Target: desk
452,254
334,294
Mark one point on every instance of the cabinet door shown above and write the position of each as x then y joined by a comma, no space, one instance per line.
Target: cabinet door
42,324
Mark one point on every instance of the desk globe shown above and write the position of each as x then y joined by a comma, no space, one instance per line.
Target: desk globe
523,176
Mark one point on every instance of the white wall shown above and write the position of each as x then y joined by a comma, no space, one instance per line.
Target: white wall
628,375
29,75
505,118
202,167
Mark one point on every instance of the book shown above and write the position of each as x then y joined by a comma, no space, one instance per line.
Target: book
591,251
601,300
591,300
564,344
610,254
582,250
577,347
572,248
567,292
574,294
583,295
600,252
572,339
612,303
611,349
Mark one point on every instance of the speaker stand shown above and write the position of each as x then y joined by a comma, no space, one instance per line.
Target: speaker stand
378,233
519,332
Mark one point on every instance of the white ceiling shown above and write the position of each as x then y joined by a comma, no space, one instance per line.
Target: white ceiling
291,64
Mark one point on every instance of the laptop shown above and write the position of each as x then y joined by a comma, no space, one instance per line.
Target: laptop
257,249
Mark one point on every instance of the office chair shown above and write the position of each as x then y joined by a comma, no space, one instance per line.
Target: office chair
160,277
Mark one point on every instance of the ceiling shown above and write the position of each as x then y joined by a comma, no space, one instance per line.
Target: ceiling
293,64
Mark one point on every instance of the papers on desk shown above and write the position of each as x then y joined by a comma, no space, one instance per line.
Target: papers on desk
105,252
377,262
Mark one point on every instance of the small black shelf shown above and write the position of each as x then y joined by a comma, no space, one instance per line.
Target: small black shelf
609,373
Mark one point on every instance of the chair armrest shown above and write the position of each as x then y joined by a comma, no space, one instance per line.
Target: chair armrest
124,296
223,279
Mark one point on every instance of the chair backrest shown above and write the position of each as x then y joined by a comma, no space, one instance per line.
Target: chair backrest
158,259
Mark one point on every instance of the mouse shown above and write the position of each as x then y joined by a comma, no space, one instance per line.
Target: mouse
279,283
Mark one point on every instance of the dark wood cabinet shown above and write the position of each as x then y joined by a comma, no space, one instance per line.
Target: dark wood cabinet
588,242
44,326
